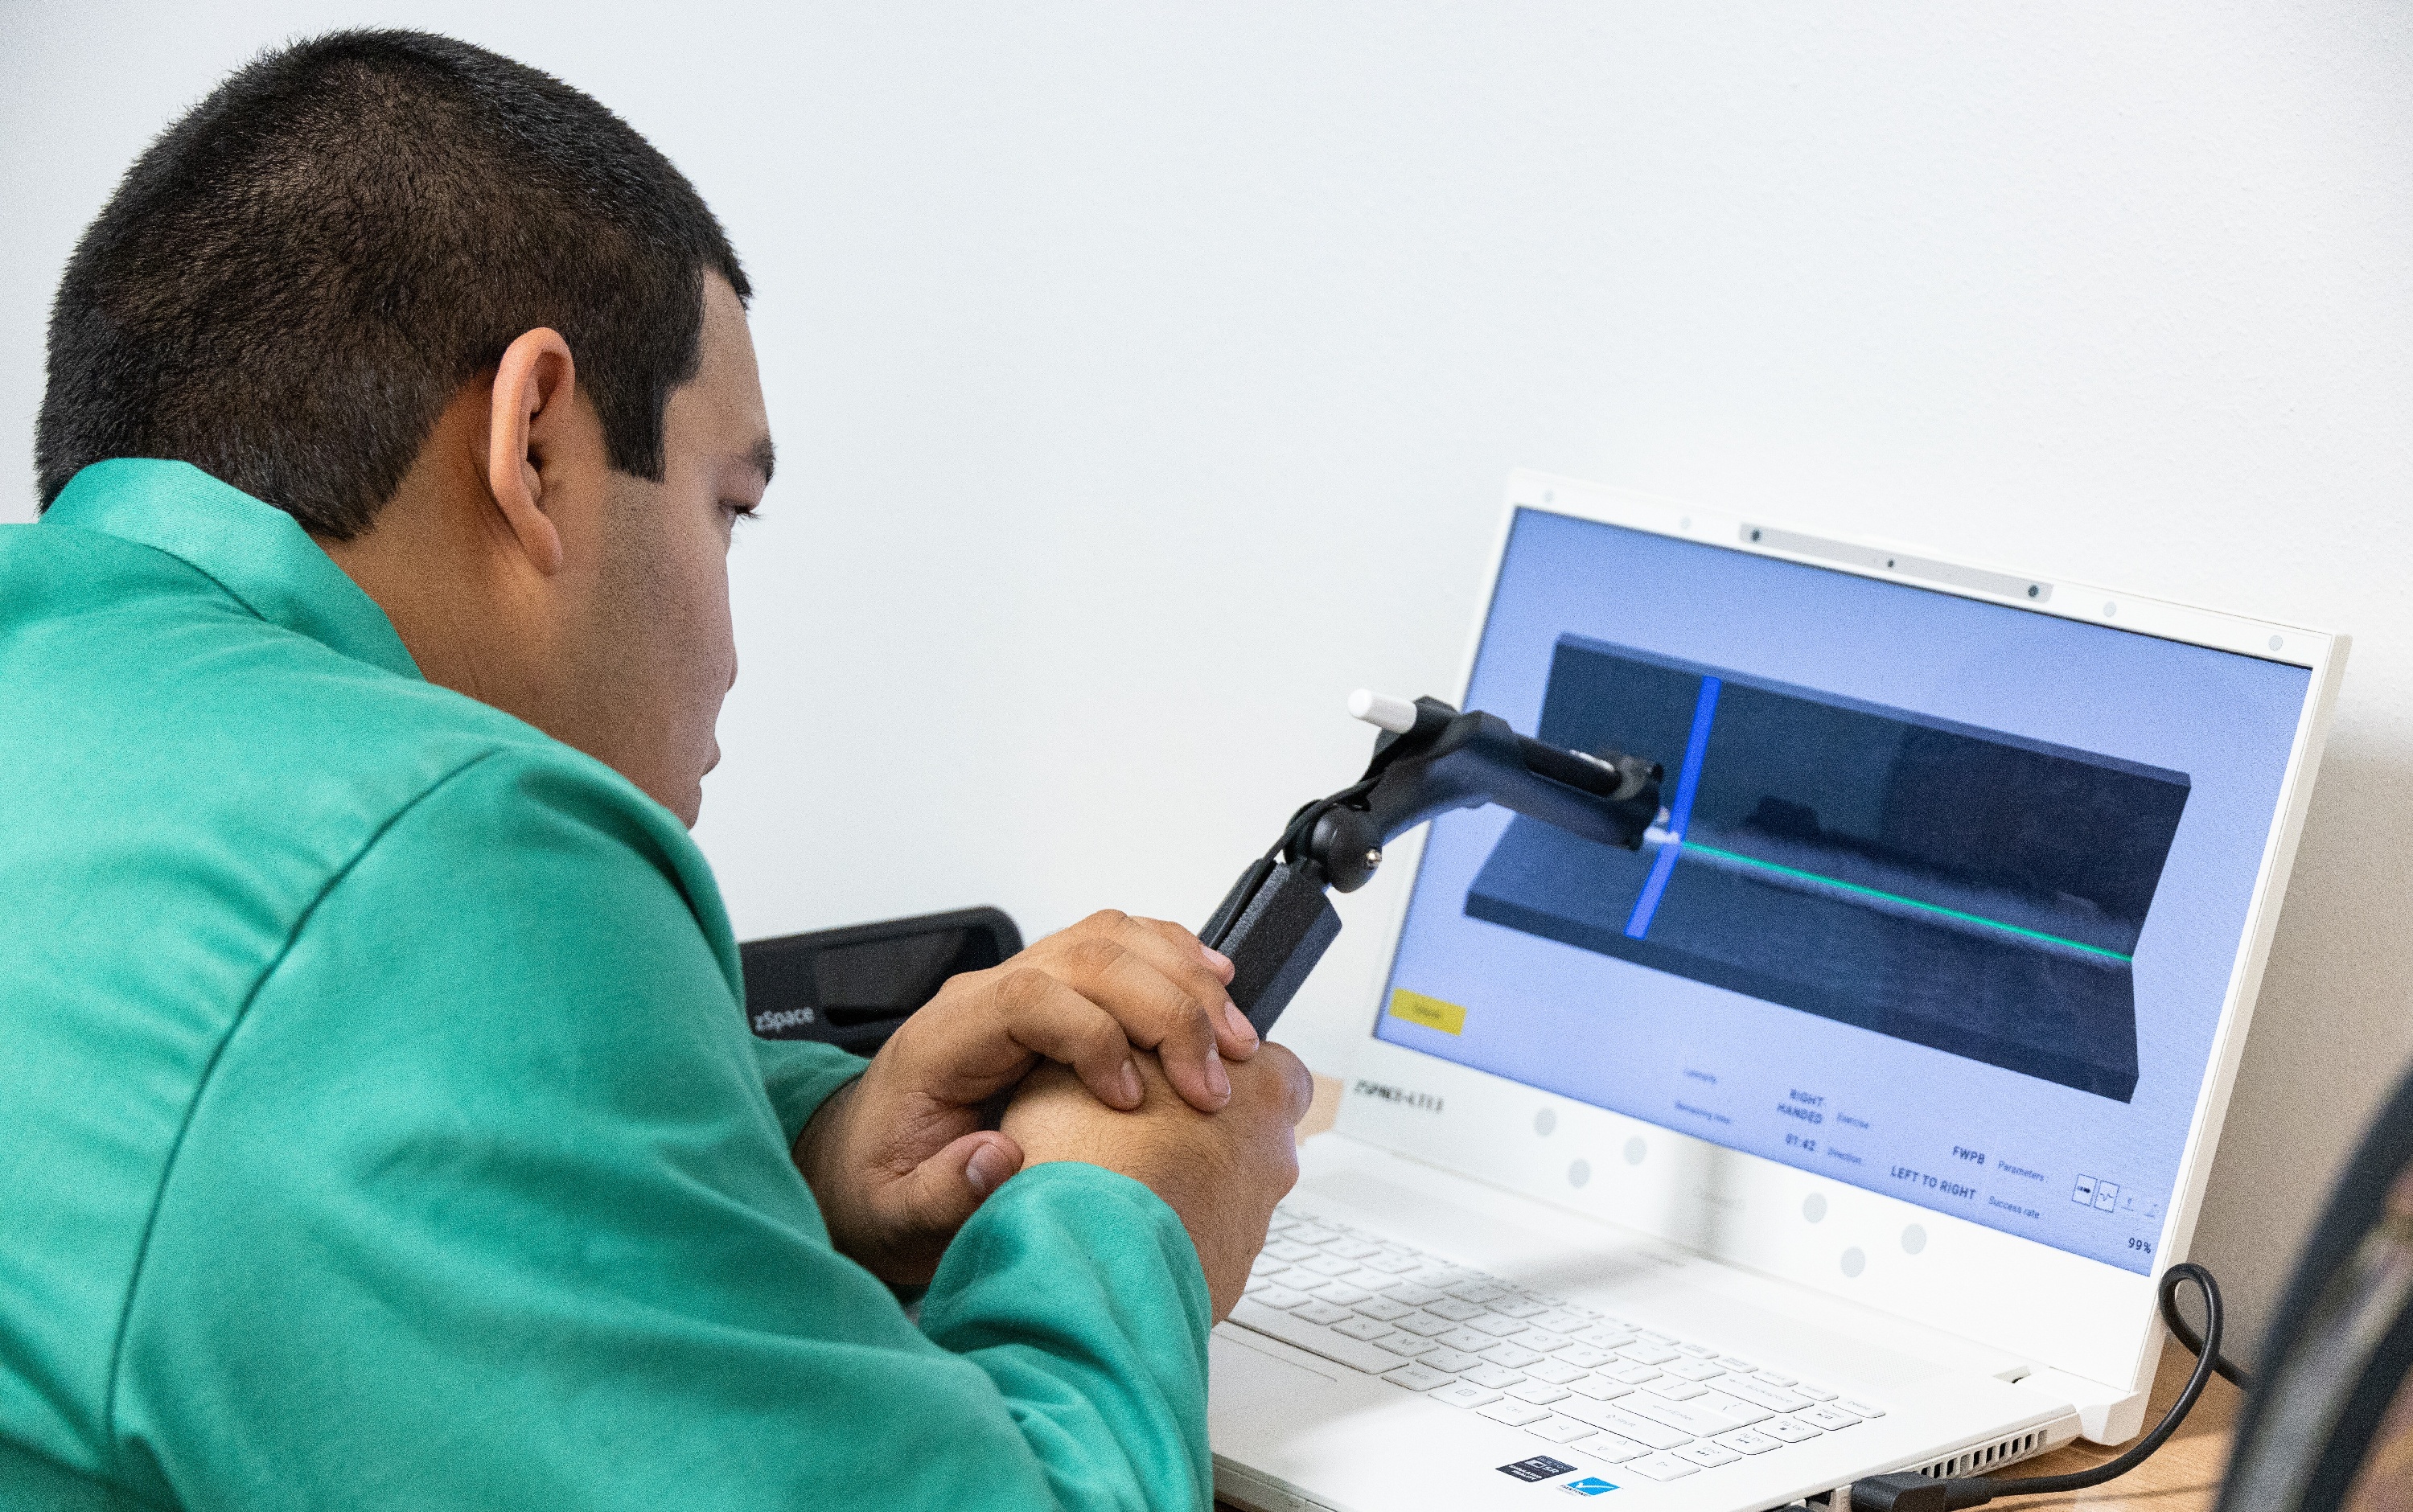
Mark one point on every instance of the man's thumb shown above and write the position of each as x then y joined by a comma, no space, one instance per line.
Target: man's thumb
949,1187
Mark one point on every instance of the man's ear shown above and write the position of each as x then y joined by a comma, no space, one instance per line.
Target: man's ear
534,387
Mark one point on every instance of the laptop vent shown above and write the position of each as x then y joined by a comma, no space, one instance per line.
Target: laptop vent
1981,1458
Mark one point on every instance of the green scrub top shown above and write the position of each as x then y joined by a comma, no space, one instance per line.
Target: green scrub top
380,1126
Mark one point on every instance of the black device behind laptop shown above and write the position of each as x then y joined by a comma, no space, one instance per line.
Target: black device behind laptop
851,987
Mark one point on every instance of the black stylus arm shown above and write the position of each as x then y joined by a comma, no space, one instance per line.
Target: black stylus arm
1277,922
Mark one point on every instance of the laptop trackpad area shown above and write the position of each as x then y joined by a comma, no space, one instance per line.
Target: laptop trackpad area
1241,1377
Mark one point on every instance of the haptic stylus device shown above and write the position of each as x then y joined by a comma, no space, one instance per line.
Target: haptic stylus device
1277,922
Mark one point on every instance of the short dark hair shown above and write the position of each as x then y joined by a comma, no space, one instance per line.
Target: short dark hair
295,280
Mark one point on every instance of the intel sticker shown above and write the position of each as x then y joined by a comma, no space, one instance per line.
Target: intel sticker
1589,1486
1540,1467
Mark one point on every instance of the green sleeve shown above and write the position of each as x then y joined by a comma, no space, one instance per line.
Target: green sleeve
800,1075
486,1201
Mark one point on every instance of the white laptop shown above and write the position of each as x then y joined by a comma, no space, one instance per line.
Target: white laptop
1846,1126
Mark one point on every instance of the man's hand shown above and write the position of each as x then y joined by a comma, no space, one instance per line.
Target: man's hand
1222,1173
898,1160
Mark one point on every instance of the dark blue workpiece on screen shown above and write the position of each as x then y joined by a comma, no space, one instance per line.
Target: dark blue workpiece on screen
1964,889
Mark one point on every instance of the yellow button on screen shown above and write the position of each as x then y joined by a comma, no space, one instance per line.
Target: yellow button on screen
1416,1008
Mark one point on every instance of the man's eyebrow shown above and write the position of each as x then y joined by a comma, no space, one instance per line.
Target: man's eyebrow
764,458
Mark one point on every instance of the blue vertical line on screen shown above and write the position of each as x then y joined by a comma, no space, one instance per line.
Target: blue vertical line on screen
1680,813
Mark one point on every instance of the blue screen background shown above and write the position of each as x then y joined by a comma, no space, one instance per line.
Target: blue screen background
1947,1133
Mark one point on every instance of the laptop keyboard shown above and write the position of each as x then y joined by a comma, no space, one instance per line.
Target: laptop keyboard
1591,1384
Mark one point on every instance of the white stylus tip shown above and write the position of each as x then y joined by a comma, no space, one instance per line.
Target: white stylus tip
1397,715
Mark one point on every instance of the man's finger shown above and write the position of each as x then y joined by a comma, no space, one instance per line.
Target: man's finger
1048,1018
1118,973
1177,953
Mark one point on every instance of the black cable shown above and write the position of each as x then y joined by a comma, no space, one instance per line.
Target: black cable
1909,1491
2193,1343
1294,836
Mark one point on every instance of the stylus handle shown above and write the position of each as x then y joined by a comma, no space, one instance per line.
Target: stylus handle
1278,930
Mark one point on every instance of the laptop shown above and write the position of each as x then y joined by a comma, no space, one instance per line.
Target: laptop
1846,1127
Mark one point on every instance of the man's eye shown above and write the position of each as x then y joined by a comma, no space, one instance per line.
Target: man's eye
737,508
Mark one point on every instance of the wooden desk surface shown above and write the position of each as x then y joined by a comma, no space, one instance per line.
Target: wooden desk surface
2183,1478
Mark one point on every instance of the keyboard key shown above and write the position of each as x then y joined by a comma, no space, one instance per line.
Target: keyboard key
1635,1374
1543,1339
1517,1307
1514,1413
1454,1362
1384,1309
1466,1339
1411,1295
1454,1310
1369,1329
1674,1390
1861,1407
1559,1320
1498,1327
1366,1280
1405,1343
1750,1388
1562,1430
1538,1392
1478,1292
1552,1371
1701,1417
1293,1329
1787,1429
1309,1233
1731,1363
1826,1417
1602,1336
1515,1357
1750,1441
1498,1378
1663,1467
1394,1265
1277,1297
1813,1393
1330,1264
1324,1313
1583,1357
1650,1337
1774,1378
1340,1295
1289,1252
1418,1378
1599,1388
1709,1453
1428,1325
1464,1394
1647,1354
1698,1351
1615,1420
1611,1449
1691,1370
1352,1248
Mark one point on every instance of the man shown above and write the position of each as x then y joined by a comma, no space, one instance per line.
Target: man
382,1129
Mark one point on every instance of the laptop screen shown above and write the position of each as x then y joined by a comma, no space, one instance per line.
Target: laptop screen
1944,903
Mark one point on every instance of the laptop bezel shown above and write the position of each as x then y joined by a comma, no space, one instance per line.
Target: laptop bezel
2054,1308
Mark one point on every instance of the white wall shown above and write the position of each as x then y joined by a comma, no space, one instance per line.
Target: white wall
1145,376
